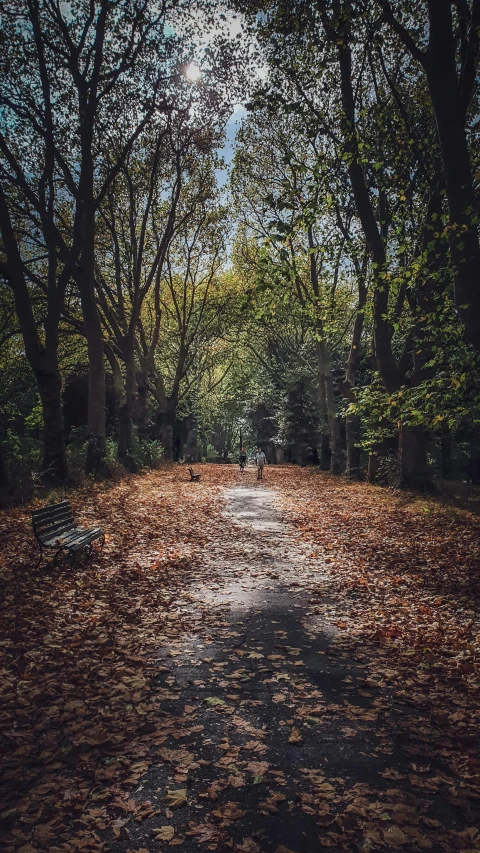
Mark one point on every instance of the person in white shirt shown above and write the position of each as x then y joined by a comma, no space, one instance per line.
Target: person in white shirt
260,459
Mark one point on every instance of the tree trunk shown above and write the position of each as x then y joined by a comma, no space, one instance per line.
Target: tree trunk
322,400
125,437
96,423
5,485
373,460
450,119
42,357
333,424
54,463
330,444
4,478
373,235
413,459
446,451
324,461
141,415
126,412
191,443
352,425
352,428
165,421
166,437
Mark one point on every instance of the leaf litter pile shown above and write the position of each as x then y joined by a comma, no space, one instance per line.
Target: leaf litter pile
286,667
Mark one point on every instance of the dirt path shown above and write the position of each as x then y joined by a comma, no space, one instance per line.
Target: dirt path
294,747
266,668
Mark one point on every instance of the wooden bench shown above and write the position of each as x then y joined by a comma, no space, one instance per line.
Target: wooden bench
54,527
195,478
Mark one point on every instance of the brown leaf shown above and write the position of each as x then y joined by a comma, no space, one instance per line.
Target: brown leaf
295,736
163,833
395,836
248,845
175,799
258,768
230,811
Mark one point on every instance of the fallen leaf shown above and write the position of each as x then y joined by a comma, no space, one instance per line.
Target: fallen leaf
395,836
163,833
295,736
175,799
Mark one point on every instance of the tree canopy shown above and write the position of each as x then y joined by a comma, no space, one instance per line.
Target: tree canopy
322,303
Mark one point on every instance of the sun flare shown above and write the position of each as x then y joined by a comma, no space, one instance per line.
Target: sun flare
193,72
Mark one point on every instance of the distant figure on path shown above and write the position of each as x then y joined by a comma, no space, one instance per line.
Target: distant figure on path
242,459
260,459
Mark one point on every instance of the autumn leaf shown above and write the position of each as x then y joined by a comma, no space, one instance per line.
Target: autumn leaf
295,736
76,764
248,845
229,812
395,836
177,798
258,768
163,833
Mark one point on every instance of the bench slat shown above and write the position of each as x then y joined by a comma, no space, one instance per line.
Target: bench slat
82,538
73,539
51,522
55,532
51,509
58,536
45,519
93,534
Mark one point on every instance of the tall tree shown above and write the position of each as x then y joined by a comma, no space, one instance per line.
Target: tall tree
191,310
358,102
158,189
280,185
450,62
71,91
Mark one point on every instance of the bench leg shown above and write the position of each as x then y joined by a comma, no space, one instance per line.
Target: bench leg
101,542
37,564
54,563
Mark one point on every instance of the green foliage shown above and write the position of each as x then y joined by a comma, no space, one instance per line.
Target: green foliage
265,316
147,454
301,423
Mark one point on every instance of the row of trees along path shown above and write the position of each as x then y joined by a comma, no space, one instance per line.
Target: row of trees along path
338,262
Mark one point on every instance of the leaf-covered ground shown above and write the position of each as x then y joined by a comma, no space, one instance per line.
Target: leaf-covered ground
291,666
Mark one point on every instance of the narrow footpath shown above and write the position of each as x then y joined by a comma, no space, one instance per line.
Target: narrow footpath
289,666
291,746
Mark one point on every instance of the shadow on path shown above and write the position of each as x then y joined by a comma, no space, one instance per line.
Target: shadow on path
282,741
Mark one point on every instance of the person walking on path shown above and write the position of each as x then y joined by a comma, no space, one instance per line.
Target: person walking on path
260,459
242,459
